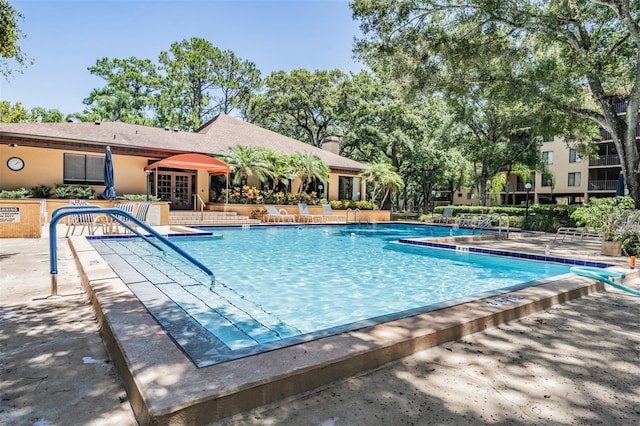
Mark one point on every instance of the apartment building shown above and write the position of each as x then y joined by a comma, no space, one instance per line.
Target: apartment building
576,180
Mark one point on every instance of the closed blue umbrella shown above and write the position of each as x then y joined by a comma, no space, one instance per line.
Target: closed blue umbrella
620,185
109,181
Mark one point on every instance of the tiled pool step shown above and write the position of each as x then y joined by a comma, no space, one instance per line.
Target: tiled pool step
232,321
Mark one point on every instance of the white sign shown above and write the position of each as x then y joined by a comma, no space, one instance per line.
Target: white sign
9,214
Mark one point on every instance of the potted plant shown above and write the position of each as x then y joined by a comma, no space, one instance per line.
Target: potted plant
606,216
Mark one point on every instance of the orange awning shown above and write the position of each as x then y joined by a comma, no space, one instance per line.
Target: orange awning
192,162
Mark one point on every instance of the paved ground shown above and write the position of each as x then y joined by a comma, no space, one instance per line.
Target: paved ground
578,363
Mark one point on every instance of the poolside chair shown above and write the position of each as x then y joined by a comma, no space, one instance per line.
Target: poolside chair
447,216
278,215
575,232
142,211
329,215
115,226
304,214
81,220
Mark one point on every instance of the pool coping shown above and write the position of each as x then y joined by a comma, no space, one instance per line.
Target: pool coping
164,386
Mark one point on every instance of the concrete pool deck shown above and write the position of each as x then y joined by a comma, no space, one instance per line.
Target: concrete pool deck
571,363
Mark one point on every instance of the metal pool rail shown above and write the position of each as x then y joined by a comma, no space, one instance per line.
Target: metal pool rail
113,213
604,276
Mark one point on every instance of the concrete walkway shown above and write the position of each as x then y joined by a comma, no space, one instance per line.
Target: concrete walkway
578,363
54,368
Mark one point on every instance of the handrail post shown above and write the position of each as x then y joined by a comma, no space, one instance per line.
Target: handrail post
112,212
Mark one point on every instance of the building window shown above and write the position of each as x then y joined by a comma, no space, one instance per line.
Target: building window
546,181
548,157
574,179
547,138
574,157
349,188
83,169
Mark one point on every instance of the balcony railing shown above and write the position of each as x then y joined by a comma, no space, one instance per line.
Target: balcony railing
605,160
606,136
620,106
603,185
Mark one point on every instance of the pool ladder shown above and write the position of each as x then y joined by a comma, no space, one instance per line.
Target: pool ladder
355,215
488,222
115,214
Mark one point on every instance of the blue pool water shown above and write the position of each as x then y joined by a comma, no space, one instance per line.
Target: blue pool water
277,285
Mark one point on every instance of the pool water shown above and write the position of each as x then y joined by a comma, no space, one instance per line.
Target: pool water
279,285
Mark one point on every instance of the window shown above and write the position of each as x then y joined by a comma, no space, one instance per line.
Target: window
349,188
548,157
546,181
83,169
574,179
574,157
547,138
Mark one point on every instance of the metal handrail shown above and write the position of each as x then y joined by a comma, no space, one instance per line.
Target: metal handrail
196,198
111,212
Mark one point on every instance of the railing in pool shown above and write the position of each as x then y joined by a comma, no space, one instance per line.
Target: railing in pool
113,213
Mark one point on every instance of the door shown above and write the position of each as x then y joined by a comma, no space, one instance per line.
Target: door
176,188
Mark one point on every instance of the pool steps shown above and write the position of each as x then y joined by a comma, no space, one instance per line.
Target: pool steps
237,322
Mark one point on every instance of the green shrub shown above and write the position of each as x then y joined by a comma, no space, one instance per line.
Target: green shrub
71,191
41,191
16,194
604,215
542,217
139,197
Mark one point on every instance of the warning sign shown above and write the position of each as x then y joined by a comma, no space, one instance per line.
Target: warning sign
9,214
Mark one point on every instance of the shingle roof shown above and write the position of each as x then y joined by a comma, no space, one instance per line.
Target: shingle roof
213,138
225,131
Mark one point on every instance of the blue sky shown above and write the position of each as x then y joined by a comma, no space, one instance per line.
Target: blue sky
65,37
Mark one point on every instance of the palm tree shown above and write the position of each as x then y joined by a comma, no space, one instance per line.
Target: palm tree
384,175
246,161
307,167
280,168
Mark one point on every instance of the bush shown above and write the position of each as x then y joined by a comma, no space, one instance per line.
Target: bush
631,244
604,215
70,191
41,191
258,213
550,217
16,194
542,217
139,197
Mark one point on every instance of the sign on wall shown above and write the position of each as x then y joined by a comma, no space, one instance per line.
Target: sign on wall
9,214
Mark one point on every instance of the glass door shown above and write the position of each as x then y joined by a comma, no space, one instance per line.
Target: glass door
176,188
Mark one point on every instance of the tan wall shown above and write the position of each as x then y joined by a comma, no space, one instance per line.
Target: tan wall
561,168
46,167
26,213
202,185
158,215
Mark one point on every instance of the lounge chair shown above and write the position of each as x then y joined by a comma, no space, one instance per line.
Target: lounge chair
576,232
278,215
447,216
304,214
82,220
113,227
329,215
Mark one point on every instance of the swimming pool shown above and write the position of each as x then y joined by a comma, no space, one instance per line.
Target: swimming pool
277,286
